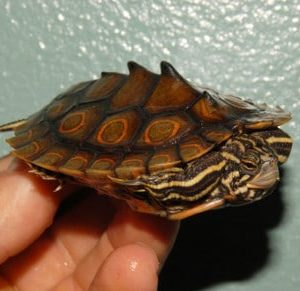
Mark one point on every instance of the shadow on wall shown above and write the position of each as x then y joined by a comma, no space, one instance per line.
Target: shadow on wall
221,246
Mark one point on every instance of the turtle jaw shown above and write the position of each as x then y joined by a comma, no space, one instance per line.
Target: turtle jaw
257,187
267,177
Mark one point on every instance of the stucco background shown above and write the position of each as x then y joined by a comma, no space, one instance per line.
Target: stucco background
250,48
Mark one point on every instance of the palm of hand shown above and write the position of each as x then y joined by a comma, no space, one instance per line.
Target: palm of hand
95,244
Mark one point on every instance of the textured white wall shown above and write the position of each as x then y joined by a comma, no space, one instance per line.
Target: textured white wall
250,48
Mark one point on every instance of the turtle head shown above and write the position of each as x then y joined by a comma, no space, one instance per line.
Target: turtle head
243,170
252,165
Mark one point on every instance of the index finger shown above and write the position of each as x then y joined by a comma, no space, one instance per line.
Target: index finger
27,206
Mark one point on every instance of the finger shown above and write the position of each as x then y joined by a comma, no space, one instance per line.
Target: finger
5,285
81,227
5,162
87,268
56,254
132,267
130,227
27,207
129,268
127,228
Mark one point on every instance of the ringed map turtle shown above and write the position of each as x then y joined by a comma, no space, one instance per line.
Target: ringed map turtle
163,145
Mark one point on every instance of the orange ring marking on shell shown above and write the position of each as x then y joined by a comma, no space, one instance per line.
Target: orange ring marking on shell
34,146
191,149
137,161
124,131
161,161
20,140
77,126
191,145
111,162
37,147
50,155
77,159
176,127
162,156
130,168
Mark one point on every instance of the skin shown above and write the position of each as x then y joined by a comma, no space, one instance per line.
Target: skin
95,243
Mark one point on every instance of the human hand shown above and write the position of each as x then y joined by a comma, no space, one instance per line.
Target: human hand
96,243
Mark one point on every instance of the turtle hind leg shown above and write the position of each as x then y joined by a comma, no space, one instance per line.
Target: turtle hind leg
12,125
48,175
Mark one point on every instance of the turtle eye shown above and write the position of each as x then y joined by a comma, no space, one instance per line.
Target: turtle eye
250,162
249,165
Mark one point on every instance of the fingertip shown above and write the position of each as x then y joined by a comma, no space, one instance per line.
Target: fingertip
130,226
132,267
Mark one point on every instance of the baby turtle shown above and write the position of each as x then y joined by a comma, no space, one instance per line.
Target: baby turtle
166,147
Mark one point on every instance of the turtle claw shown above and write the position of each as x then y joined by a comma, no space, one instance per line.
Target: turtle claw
59,186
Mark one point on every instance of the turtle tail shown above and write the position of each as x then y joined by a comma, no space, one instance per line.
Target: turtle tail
12,125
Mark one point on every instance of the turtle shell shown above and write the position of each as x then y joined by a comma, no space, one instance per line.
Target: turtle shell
124,126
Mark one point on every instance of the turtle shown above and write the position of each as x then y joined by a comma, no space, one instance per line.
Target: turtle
163,145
